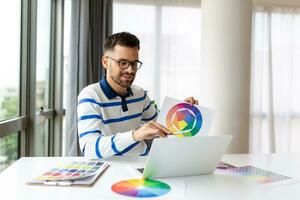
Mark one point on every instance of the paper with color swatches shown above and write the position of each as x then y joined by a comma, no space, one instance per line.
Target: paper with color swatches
141,188
253,174
71,171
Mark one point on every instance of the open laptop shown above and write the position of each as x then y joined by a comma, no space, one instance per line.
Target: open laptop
172,156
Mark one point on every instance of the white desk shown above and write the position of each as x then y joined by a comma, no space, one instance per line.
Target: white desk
13,180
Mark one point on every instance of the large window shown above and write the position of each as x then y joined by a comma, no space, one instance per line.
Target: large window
10,23
170,35
29,77
275,109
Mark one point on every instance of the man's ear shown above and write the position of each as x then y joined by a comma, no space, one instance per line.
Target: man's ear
105,61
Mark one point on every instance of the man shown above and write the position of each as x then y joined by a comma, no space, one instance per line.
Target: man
114,116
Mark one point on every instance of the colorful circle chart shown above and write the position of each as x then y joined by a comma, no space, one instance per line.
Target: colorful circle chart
184,120
141,188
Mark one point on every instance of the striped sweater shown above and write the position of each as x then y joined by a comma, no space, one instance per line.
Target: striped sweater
106,120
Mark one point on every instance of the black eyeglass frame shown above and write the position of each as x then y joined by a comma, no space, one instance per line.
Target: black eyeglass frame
129,63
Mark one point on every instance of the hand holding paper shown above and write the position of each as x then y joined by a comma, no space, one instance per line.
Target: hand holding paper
150,130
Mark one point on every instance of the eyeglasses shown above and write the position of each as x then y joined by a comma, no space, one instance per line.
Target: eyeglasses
124,64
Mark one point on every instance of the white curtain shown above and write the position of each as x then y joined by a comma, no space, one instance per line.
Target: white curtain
170,35
275,92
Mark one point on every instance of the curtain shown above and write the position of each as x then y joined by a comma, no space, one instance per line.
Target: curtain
170,36
275,82
90,24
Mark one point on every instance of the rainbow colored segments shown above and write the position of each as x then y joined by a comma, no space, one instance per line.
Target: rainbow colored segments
253,174
71,171
184,120
141,188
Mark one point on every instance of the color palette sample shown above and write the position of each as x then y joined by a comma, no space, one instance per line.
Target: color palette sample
141,188
184,120
253,174
71,171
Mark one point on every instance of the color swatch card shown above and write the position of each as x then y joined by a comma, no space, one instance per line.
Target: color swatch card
69,172
253,174
184,119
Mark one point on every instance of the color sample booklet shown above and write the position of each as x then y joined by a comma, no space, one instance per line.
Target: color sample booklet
184,119
72,173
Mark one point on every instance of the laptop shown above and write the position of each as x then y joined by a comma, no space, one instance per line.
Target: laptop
188,156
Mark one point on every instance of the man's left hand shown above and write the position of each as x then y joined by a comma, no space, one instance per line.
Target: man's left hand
191,101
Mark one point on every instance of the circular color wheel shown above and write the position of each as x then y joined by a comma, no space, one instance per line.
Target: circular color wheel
184,120
141,188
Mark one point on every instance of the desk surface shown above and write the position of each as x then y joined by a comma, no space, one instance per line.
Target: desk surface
13,179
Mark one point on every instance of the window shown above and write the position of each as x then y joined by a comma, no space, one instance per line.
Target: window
170,36
10,22
27,77
275,109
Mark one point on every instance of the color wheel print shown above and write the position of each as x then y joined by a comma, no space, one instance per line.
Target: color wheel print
141,188
184,120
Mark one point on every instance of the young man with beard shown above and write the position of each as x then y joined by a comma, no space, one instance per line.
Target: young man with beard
114,116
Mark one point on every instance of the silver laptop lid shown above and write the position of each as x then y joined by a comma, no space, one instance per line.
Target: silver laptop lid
172,157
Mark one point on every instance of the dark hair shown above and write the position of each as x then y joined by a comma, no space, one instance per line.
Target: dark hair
123,39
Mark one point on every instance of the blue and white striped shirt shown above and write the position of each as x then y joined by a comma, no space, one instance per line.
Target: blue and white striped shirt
106,120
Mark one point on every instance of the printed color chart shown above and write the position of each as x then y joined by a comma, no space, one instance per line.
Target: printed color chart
71,171
253,174
141,188
184,120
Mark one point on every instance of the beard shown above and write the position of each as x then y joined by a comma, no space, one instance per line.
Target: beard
123,79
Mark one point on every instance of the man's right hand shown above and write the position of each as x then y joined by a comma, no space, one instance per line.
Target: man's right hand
150,130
